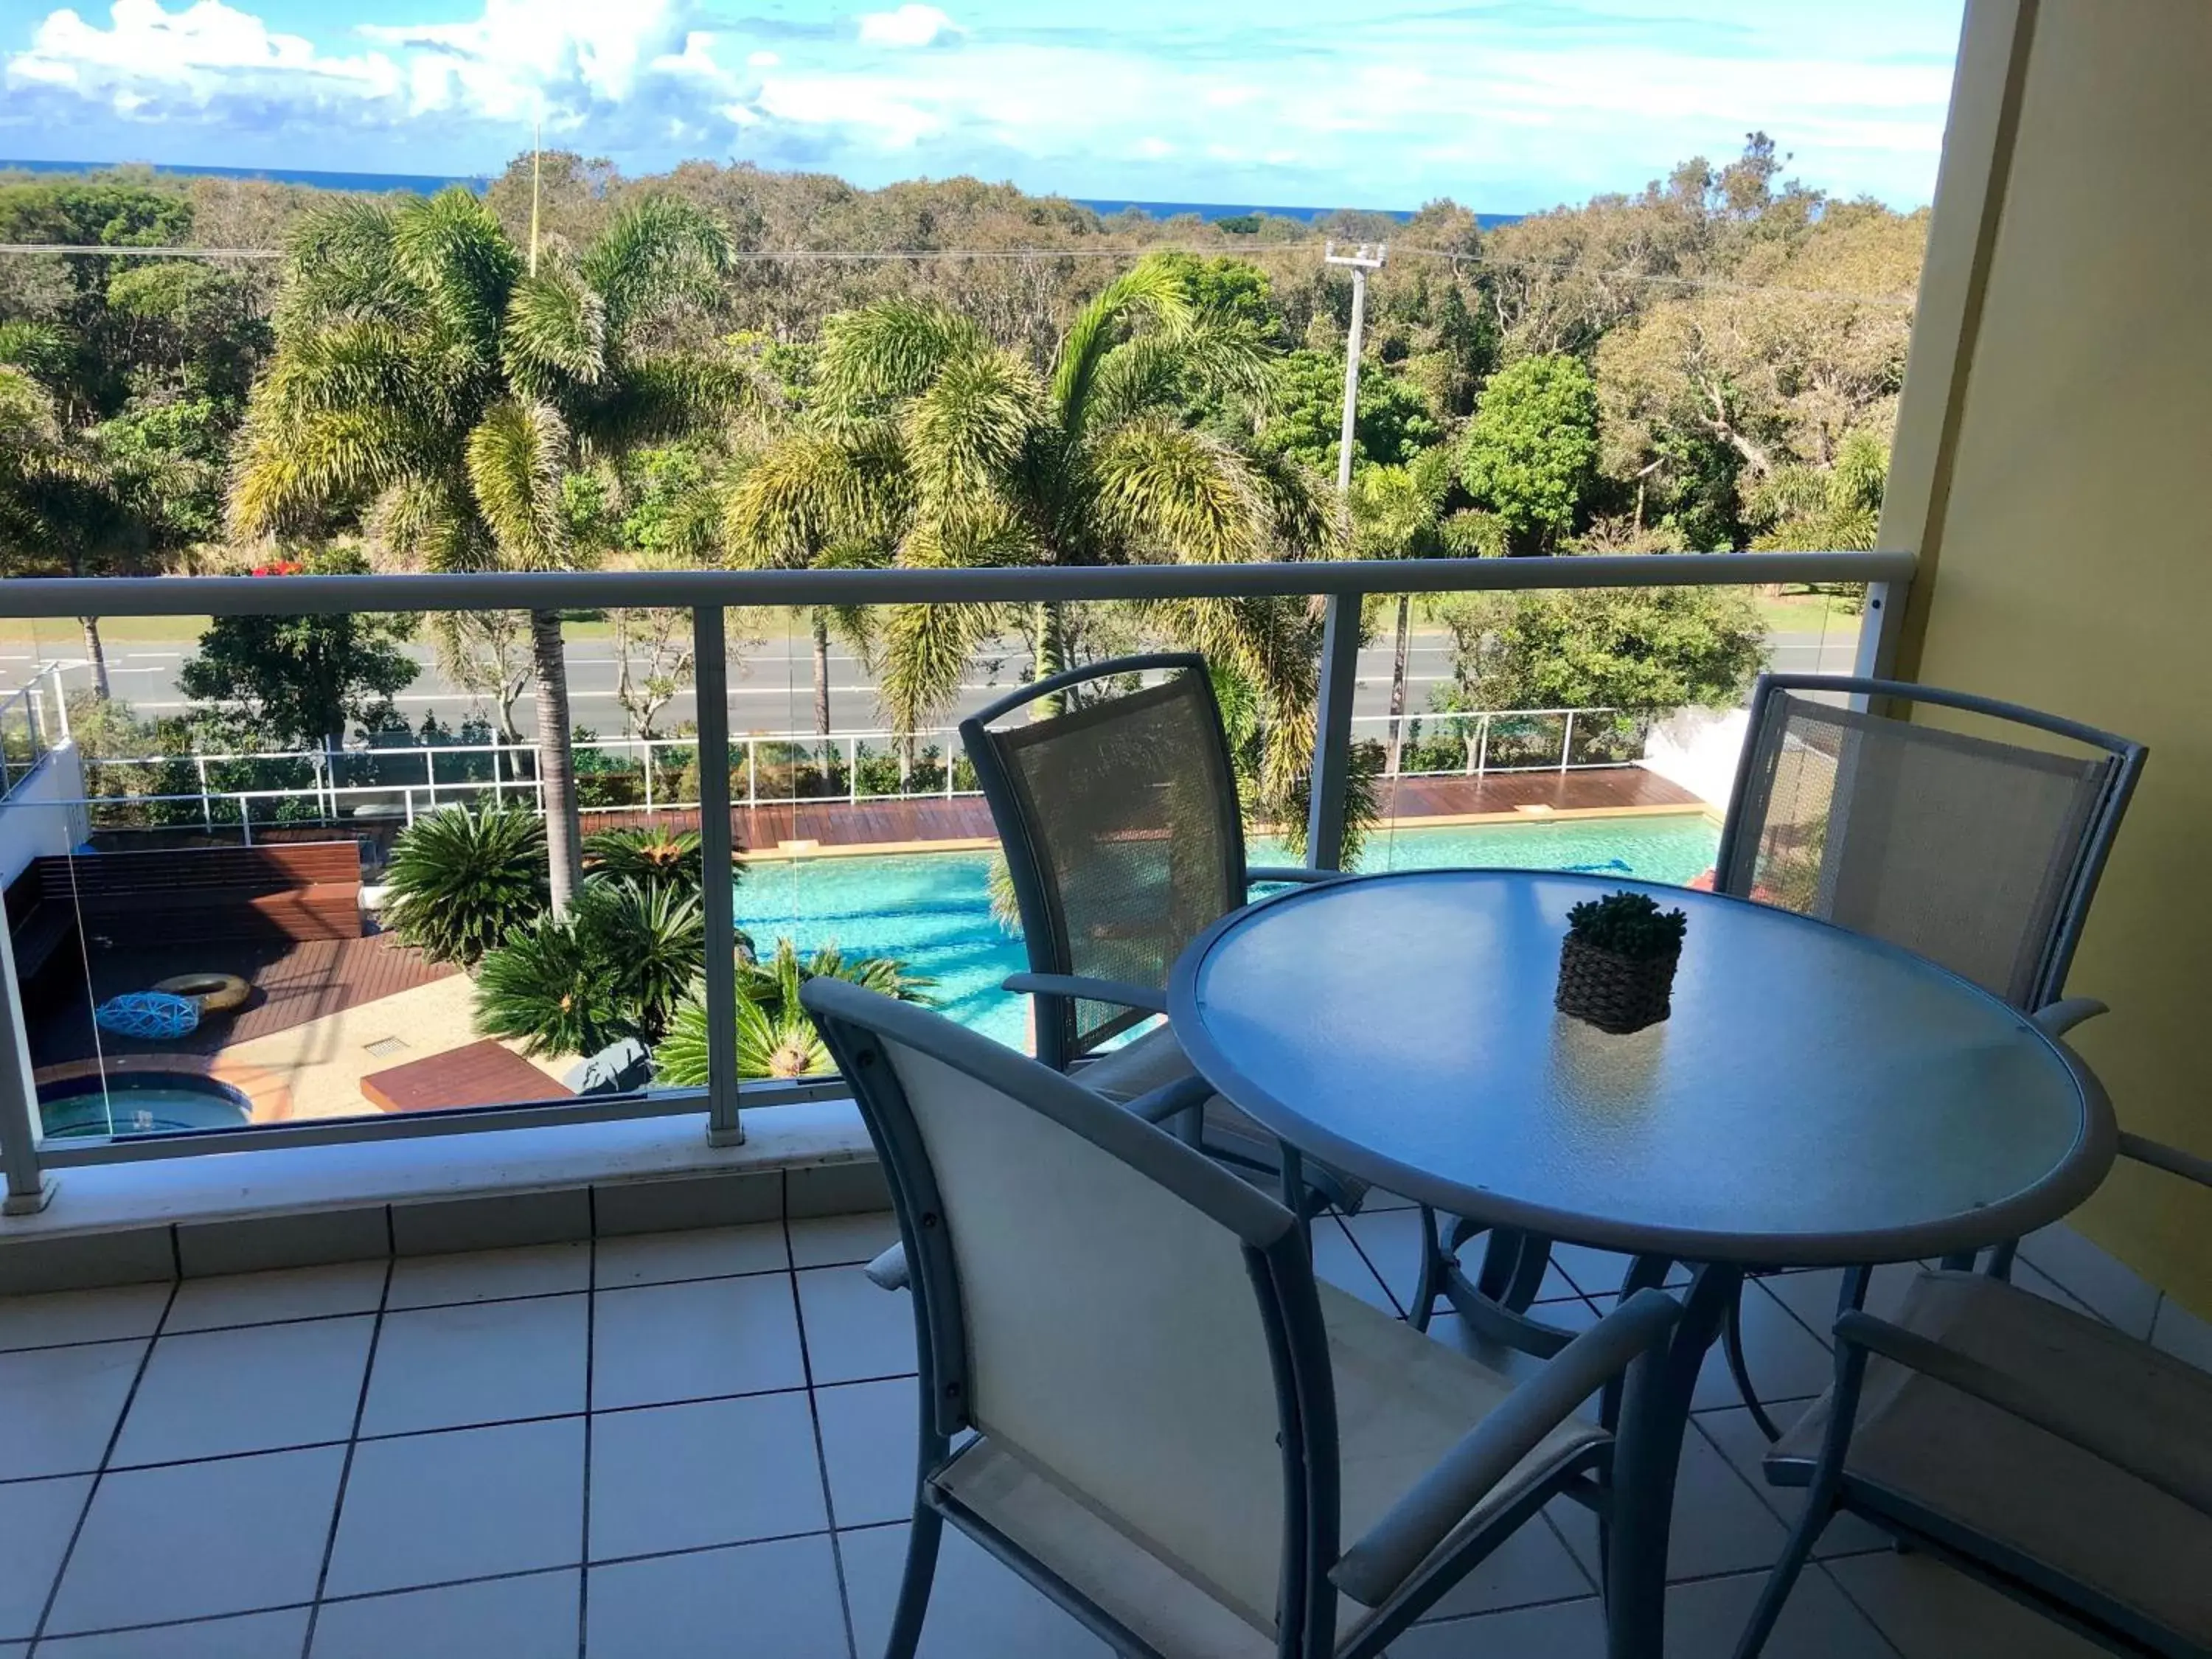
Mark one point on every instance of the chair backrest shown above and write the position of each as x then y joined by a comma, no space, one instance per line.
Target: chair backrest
1121,827
1138,1326
1979,853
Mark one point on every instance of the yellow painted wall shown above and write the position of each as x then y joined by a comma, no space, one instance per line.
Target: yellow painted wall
2065,506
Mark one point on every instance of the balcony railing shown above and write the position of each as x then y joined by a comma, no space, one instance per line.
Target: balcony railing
707,595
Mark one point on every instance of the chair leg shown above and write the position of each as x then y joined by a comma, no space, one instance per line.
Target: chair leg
1501,1255
922,1542
1429,1285
1959,1261
1732,1345
2000,1260
1528,1271
1780,1582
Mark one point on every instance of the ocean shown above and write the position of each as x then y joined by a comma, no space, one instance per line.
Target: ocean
426,183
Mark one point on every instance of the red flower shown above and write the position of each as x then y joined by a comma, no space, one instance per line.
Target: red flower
279,568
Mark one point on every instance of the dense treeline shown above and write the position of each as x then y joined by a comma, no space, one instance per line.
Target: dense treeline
1711,363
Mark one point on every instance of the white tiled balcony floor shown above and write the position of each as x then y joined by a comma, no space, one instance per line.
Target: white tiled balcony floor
700,1443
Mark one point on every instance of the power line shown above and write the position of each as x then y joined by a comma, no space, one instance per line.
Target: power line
879,256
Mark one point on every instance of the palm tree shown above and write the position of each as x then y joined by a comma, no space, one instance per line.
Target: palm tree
60,510
1398,513
438,384
819,500
932,446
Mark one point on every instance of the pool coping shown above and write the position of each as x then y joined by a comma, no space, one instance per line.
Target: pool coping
791,852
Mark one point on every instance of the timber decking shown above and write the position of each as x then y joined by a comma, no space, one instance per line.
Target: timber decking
482,1074
293,983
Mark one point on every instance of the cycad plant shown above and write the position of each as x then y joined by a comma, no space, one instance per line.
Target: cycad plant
775,1036
459,881
437,383
930,445
618,965
651,858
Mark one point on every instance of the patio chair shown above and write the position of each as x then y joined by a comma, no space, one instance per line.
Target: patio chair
1179,1436
1979,853
1124,840
2035,1448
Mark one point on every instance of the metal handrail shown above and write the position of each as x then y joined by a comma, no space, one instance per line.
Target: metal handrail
706,593
573,590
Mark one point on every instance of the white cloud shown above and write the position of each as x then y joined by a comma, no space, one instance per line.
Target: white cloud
199,50
888,111
911,25
1244,101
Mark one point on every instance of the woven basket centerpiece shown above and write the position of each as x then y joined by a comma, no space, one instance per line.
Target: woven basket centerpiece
1617,963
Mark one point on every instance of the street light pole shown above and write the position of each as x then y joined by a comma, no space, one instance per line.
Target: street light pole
1363,258
1340,649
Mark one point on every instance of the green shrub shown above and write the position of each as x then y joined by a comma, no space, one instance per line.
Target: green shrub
461,881
618,966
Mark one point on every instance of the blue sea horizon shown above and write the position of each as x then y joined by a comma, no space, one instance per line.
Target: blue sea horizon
425,183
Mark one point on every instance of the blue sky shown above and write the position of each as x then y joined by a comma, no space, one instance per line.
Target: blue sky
1505,105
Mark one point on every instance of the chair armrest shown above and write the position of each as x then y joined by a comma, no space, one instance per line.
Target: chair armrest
2116,1438
1090,990
1290,873
2172,1159
2057,1018
1376,1565
1169,1098
889,1271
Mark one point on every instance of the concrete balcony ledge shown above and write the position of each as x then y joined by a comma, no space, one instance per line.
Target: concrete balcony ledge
296,1206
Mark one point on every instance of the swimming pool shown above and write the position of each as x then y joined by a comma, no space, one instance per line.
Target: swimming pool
932,910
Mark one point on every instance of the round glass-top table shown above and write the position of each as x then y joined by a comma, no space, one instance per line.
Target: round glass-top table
1817,1097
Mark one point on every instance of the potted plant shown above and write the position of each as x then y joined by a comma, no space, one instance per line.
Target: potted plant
1617,963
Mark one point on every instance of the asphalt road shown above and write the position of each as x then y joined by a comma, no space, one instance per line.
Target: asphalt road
771,686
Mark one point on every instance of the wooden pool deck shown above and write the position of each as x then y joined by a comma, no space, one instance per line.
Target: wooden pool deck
293,983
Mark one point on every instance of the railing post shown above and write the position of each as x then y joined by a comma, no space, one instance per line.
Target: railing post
1567,742
1332,764
29,1188
207,806
61,700
1880,626
711,683
245,816
752,771
1482,747
646,744
852,771
430,775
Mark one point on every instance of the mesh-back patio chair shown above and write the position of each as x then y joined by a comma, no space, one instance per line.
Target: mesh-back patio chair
1979,852
1125,840
1180,1437
2038,1448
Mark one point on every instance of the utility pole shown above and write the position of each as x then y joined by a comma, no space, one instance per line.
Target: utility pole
537,151
1364,258
1340,649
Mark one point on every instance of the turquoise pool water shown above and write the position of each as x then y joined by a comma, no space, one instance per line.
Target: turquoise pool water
932,910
